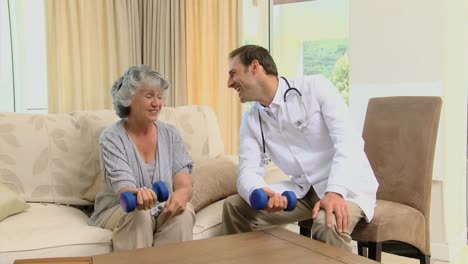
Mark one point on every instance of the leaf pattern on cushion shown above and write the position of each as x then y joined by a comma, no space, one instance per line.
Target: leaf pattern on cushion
11,140
7,160
51,118
9,177
95,117
59,163
37,121
6,128
41,191
6,134
40,164
64,190
61,145
68,168
58,136
58,133
185,125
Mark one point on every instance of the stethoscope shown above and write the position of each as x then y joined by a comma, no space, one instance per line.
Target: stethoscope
292,99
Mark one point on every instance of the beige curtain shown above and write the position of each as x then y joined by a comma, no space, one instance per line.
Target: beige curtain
88,48
211,33
163,44
91,43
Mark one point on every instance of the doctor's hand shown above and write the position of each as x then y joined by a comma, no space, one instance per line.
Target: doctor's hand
334,203
276,202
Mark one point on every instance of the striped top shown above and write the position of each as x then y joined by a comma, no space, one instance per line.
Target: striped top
122,165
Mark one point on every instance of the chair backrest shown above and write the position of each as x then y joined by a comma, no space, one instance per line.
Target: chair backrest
400,136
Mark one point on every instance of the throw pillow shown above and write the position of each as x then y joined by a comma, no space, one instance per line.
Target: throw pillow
89,193
214,179
10,202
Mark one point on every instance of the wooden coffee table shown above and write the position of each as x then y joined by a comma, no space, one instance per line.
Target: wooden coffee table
72,260
270,246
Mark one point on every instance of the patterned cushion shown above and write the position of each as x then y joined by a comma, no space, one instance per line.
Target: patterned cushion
24,156
52,157
199,129
213,180
10,202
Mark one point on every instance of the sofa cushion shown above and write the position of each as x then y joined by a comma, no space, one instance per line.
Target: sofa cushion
49,230
194,127
213,180
24,156
52,157
10,202
74,151
208,221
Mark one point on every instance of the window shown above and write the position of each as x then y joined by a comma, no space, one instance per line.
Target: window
305,37
6,76
23,71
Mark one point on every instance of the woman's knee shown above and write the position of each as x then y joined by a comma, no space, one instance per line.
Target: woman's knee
138,220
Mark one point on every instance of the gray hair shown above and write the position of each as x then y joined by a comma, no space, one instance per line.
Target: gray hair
125,88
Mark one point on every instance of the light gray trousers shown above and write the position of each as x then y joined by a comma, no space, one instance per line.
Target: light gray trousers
139,229
239,217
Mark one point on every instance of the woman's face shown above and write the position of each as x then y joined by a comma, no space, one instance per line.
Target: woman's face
147,103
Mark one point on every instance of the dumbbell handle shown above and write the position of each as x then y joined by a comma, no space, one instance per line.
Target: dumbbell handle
128,200
259,199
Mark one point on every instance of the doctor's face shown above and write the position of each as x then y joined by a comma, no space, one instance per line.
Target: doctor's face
241,80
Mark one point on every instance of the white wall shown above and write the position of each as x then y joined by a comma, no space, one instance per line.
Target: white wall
420,47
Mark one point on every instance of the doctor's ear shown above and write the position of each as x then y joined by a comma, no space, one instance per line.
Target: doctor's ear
255,65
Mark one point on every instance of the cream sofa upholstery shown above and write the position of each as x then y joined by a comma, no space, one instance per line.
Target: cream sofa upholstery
52,162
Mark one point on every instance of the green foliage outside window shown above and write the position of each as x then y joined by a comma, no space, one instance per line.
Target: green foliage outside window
330,58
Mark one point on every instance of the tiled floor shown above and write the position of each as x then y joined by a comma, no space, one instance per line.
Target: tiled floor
394,259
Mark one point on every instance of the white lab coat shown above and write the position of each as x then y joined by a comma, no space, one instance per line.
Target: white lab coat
328,154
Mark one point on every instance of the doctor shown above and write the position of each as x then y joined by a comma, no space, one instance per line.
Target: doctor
305,128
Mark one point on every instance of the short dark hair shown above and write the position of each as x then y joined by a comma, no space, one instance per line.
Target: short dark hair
249,53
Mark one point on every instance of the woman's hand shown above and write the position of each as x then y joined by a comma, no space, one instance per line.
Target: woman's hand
182,194
176,203
146,198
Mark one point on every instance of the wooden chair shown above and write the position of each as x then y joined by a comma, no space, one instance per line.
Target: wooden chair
400,137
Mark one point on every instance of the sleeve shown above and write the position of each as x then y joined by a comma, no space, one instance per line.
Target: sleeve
251,174
116,167
347,142
181,160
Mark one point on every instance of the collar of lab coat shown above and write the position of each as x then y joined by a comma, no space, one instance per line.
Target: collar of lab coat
277,103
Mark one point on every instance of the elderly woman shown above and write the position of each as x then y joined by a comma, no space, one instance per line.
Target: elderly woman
137,151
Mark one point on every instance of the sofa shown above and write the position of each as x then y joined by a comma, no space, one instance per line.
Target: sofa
50,173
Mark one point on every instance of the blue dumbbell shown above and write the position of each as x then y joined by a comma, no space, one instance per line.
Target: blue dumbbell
259,199
128,200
